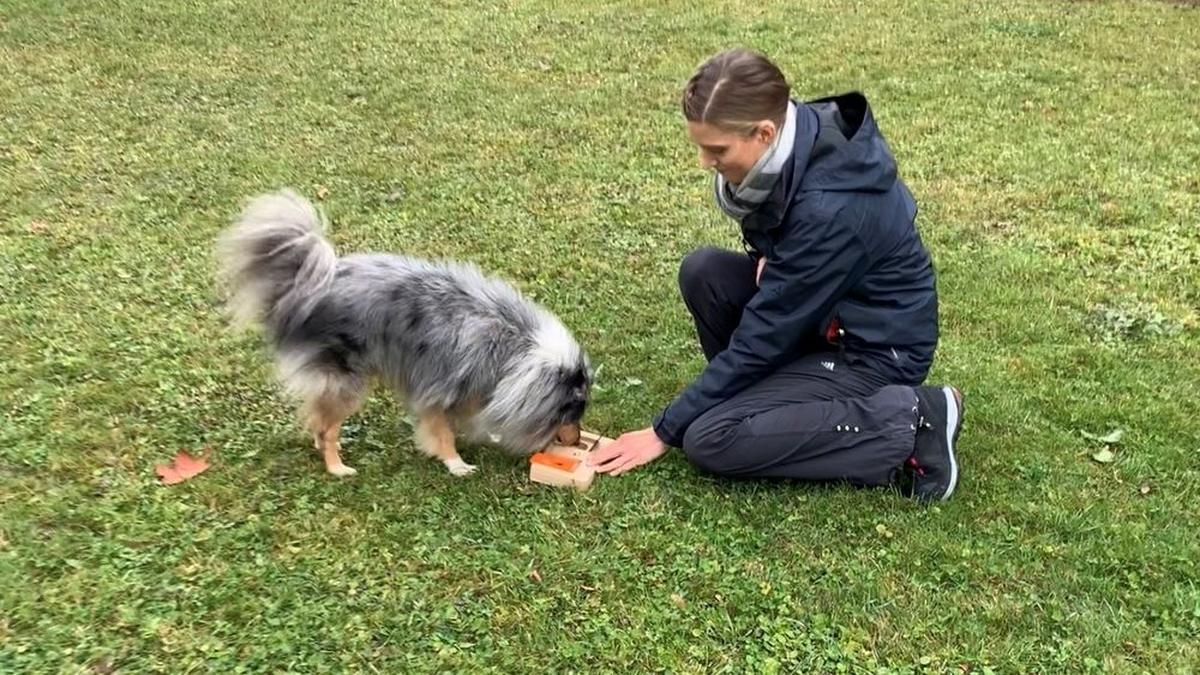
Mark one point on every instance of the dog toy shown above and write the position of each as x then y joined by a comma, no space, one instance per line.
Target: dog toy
566,465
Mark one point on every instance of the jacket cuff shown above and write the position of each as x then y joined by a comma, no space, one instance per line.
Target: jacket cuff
665,432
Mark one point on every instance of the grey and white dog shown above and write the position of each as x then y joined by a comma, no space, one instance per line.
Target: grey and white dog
468,353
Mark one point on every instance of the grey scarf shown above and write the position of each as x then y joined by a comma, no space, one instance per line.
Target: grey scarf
738,201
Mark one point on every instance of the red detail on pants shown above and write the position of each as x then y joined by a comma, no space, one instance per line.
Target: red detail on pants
834,332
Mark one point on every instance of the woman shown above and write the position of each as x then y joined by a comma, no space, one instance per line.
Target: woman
818,340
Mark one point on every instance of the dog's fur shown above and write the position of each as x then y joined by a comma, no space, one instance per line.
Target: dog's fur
467,353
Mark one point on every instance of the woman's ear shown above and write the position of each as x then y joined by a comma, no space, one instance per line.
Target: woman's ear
765,132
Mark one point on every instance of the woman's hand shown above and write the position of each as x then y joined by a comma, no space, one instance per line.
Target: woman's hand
629,451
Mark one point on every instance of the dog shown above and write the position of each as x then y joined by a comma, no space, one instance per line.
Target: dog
467,353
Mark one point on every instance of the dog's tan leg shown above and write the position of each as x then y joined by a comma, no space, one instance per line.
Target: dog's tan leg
435,437
332,452
324,419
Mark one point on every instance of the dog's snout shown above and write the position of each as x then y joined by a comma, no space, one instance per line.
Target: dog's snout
568,434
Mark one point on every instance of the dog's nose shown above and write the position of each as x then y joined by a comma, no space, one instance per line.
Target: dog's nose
568,434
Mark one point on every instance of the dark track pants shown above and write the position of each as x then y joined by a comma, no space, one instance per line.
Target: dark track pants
817,418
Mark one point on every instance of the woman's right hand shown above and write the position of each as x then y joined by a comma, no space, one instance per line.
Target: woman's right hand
629,451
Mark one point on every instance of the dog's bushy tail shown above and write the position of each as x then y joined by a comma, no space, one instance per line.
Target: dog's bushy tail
275,259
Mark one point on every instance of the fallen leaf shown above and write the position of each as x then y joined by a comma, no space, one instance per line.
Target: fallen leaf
394,196
1112,438
183,467
633,382
38,227
1145,489
678,600
322,192
535,576
1104,456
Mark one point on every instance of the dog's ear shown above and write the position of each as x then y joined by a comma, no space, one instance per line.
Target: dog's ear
576,384
574,378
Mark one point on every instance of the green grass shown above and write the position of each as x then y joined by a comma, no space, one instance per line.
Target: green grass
1053,148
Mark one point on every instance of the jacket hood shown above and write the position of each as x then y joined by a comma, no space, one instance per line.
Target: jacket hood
837,148
849,154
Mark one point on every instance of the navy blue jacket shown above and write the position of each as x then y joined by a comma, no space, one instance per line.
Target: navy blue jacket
842,249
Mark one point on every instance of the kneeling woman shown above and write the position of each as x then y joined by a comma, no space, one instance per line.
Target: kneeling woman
819,337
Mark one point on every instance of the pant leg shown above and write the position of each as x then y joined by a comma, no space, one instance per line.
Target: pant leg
817,419
716,284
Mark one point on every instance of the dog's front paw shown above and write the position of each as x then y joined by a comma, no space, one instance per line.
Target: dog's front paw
341,470
459,467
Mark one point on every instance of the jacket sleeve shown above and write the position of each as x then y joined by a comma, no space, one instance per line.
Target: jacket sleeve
806,275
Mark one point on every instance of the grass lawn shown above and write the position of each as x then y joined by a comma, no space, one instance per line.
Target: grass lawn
1054,149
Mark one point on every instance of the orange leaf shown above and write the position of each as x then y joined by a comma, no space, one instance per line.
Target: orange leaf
182,468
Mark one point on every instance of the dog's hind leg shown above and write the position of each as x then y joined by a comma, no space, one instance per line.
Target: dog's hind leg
435,437
323,417
331,452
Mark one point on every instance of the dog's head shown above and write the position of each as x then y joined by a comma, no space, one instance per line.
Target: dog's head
556,402
573,391
543,397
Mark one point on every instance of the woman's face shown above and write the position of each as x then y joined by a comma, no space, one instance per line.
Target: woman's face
731,153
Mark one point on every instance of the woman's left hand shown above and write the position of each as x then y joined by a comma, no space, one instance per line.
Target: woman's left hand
629,451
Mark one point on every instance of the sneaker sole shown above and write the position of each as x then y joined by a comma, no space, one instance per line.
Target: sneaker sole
953,423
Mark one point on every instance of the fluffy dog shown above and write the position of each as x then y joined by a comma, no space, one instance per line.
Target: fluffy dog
467,353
